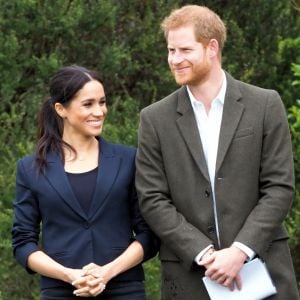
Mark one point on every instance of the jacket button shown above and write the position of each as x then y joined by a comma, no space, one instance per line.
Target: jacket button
207,193
211,229
86,225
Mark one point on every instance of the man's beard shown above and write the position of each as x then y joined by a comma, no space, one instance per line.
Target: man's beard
197,75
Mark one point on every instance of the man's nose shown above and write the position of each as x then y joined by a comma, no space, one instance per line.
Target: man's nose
176,57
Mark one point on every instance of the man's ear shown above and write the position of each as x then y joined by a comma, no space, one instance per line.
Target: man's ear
213,48
60,110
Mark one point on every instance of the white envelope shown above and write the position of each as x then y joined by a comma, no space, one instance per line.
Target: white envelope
256,284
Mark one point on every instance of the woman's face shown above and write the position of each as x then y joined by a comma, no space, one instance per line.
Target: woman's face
86,112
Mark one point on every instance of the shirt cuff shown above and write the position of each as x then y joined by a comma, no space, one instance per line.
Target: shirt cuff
249,252
199,256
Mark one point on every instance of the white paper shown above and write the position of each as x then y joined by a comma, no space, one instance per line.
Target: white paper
256,284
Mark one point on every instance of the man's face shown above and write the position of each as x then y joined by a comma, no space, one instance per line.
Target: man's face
187,58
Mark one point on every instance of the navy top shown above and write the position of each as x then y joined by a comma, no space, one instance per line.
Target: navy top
83,185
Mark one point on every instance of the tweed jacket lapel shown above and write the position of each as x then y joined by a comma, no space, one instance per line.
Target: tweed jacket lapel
187,125
232,113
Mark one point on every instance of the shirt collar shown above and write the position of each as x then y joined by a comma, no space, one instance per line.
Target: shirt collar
220,96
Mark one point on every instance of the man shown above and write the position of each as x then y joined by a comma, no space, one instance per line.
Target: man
214,167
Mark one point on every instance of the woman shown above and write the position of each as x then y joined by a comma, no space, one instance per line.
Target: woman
80,189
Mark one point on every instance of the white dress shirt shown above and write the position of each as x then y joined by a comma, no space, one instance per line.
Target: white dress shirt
209,125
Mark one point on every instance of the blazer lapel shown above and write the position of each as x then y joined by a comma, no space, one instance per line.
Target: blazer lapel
57,177
108,170
232,113
188,127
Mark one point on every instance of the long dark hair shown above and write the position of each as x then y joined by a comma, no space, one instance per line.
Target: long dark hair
64,85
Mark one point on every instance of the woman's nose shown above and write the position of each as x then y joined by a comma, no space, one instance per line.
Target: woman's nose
99,110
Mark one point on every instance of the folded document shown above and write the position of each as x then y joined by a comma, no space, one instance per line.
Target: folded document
256,284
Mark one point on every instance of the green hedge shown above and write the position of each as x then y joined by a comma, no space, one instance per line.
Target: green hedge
122,40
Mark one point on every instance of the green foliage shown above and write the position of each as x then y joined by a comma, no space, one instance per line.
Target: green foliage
12,147
288,52
296,70
262,43
293,220
125,113
152,271
15,284
122,40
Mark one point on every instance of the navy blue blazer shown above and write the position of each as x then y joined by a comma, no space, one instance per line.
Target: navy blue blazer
69,236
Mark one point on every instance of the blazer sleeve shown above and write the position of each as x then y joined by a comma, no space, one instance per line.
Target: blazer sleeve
142,231
176,232
25,229
276,180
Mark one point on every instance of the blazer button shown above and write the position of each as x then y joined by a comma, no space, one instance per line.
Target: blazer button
211,229
207,193
86,225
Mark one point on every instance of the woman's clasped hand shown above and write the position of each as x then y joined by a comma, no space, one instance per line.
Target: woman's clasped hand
92,280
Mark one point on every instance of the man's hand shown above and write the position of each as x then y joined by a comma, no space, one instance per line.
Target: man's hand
206,258
223,266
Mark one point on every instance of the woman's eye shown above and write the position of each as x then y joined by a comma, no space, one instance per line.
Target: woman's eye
102,101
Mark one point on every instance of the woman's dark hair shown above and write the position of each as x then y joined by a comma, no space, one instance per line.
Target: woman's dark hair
64,85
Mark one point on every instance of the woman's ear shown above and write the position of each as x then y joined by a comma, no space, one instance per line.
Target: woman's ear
60,110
